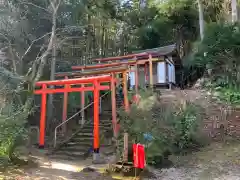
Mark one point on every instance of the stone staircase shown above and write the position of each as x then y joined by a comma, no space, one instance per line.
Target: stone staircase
79,147
119,100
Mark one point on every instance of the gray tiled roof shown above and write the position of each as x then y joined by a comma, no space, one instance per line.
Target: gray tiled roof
164,50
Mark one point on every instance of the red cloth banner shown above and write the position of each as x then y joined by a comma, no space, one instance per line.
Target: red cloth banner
139,156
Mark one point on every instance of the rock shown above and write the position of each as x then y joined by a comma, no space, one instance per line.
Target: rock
217,94
88,169
97,159
199,83
91,176
209,93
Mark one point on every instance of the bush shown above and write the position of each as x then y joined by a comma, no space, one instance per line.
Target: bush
12,133
187,125
164,129
219,54
13,114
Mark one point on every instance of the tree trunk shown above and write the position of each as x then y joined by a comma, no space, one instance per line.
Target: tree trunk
234,11
201,19
51,47
52,75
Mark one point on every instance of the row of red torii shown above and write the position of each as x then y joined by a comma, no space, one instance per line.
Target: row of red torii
81,82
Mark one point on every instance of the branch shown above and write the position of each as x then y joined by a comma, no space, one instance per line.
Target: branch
55,4
11,52
32,4
29,48
32,70
49,48
59,2
52,4
34,41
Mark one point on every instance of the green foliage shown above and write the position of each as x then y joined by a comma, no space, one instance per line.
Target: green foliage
186,126
13,114
173,129
229,94
103,28
13,129
12,132
184,15
158,32
221,45
219,54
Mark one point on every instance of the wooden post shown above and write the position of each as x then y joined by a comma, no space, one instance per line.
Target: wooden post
65,103
82,107
125,148
43,118
114,111
150,71
136,78
145,73
125,91
96,117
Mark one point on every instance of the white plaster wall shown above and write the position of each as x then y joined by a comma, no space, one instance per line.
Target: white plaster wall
161,72
170,72
173,74
132,79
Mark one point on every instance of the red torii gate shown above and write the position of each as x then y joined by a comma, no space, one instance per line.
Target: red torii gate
66,83
113,71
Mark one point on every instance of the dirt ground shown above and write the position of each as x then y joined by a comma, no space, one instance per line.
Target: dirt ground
43,173
219,161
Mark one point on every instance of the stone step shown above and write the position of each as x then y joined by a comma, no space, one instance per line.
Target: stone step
77,148
90,126
102,118
64,157
71,154
105,124
105,118
82,138
78,143
83,142
89,133
81,145
101,123
86,130
83,135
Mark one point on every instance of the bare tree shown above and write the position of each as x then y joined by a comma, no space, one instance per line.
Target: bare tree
35,72
55,5
201,19
234,11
